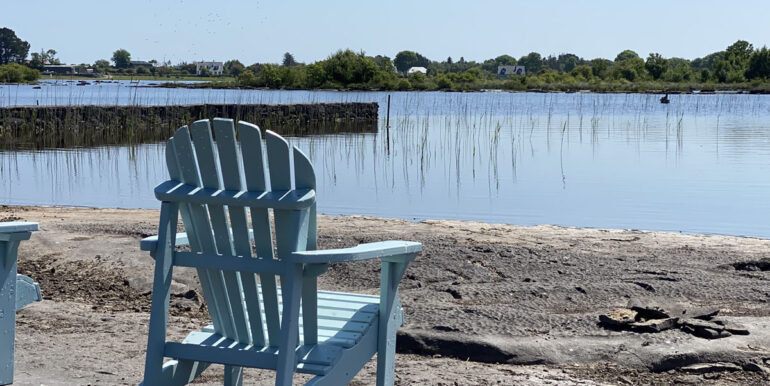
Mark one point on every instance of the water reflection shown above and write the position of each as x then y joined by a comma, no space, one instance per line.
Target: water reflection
699,164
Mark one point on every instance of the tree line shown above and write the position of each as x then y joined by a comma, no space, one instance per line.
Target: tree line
740,65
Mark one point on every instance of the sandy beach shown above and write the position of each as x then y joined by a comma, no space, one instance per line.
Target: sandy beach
485,304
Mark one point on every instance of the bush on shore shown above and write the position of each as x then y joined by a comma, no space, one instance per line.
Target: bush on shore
16,73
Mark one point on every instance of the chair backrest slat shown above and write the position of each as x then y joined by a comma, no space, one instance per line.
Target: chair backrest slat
212,282
279,159
210,177
305,179
290,225
224,131
254,171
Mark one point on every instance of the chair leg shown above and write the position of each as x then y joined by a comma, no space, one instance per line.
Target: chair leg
161,292
233,375
389,322
386,351
7,309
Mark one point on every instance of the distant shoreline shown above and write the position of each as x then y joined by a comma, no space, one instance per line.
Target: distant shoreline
227,83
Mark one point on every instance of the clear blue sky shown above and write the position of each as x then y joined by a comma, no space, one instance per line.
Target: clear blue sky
261,31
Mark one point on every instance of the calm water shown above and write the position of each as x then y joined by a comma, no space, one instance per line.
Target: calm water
698,165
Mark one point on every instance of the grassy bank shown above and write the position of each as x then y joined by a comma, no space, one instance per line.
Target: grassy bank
36,127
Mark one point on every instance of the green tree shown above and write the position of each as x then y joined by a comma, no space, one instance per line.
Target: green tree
443,82
628,65
532,63
270,76
346,67
38,60
626,55
600,67
101,65
490,65
12,49
247,78
582,72
759,64
204,72
679,70
656,65
731,65
288,60
405,60
707,61
187,68
505,60
121,58
233,68
384,64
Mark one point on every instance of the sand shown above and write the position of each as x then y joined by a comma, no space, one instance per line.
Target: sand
485,304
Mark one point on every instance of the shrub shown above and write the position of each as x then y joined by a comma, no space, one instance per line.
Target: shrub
16,73
443,82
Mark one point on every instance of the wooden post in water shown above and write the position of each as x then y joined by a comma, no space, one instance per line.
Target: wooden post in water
387,127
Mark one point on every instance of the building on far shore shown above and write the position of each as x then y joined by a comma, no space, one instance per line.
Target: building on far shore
421,70
216,68
66,69
504,71
141,63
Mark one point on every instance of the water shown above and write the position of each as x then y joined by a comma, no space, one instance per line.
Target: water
697,165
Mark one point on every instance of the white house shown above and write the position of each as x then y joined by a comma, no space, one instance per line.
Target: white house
215,68
422,70
504,71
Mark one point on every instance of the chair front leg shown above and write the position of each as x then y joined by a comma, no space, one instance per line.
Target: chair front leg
161,293
389,319
233,375
9,244
291,286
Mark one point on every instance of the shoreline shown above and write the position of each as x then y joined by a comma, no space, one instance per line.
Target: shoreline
521,303
605,88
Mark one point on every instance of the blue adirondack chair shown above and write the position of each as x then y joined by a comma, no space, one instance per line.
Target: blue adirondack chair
256,323
16,291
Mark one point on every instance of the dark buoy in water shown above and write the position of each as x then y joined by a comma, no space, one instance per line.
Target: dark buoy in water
665,100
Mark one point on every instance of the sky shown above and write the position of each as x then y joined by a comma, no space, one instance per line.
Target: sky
262,31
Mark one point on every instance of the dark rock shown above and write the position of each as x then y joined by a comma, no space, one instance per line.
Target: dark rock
654,325
699,323
760,265
185,304
704,329
646,286
652,312
734,328
702,313
620,317
445,328
451,344
455,293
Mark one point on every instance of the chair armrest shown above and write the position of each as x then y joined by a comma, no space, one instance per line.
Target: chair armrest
394,250
150,243
18,226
